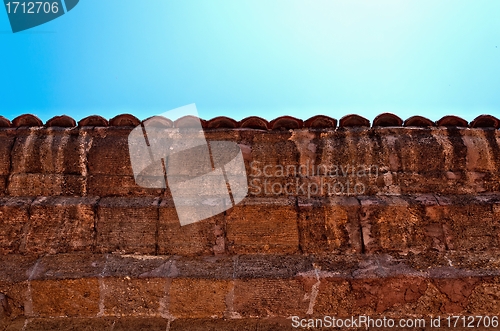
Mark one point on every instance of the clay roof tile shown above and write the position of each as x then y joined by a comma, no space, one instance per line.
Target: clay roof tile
5,123
320,122
452,120
124,120
485,121
286,123
254,122
222,122
61,121
93,120
26,120
353,120
387,119
418,121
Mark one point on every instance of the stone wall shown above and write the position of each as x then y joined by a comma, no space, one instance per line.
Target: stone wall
391,221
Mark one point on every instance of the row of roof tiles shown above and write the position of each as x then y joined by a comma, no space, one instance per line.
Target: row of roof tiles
254,122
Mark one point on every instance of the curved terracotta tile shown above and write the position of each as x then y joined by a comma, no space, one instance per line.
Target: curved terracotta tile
61,121
26,120
189,121
93,120
485,121
387,119
159,121
254,122
4,123
321,122
452,120
124,120
353,120
286,123
418,121
222,122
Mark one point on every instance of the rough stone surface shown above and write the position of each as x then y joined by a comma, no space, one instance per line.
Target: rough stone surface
384,221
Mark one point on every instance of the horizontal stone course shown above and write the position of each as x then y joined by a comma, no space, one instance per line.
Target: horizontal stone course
297,286
391,221
383,160
149,225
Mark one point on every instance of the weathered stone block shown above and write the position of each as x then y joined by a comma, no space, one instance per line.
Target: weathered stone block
61,224
70,297
132,297
46,185
263,225
68,324
49,151
192,324
140,324
270,297
394,224
198,298
200,238
109,154
329,225
7,138
127,225
469,222
14,214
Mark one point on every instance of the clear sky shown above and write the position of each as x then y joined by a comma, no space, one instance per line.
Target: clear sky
253,57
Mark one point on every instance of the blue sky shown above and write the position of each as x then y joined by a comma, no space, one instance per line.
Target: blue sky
264,58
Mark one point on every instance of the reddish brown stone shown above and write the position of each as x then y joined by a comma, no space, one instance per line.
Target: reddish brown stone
140,324
203,237
329,225
109,154
393,224
6,145
49,151
192,324
198,298
119,185
270,297
262,225
61,224
69,324
132,297
46,185
14,215
71,298
127,225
